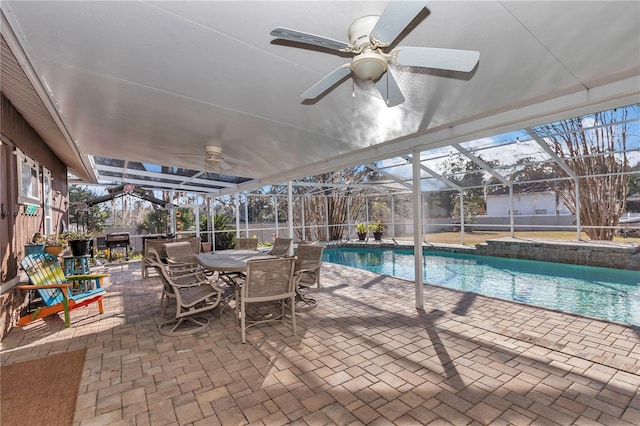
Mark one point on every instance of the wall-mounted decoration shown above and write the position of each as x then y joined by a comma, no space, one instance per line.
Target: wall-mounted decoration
28,179
30,210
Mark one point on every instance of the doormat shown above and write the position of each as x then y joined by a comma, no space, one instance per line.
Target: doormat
41,391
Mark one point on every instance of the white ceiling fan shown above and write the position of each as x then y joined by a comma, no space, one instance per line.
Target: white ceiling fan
213,158
369,36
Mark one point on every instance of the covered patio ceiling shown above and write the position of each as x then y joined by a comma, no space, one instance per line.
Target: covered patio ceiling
138,89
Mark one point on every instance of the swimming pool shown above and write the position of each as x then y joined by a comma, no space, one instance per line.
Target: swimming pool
611,294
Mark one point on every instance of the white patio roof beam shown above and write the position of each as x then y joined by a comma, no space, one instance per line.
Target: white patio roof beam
155,175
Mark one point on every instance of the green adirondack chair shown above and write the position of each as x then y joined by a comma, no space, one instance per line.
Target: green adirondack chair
59,293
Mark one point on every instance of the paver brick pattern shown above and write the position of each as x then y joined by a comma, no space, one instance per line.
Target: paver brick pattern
363,355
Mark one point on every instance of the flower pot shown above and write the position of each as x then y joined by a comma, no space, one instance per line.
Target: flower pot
33,249
377,236
362,237
54,250
79,247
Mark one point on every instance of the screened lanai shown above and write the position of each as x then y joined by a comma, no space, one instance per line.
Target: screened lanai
513,181
147,92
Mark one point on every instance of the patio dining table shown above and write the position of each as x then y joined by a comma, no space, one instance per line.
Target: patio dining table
230,265
229,261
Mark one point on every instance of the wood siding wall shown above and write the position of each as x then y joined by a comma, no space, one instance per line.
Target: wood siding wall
16,228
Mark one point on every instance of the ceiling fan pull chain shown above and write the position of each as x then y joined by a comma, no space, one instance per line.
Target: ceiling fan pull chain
387,75
353,88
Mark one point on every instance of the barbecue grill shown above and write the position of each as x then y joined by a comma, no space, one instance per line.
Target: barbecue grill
118,240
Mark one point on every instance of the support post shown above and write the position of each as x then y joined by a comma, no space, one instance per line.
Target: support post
578,224
326,217
417,230
461,217
304,231
393,218
512,221
236,201
290,207
246,216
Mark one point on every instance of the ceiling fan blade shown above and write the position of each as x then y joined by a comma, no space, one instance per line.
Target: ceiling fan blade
179,154
236,161
224,165
332,78
293,35
389,89
394,19
445,59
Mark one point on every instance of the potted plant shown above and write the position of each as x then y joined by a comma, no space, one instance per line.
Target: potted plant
36,245
361,230
377,229
55,243
79,242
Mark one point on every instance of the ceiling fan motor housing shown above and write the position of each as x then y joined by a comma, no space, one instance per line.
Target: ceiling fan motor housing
368,65
213,150
360,30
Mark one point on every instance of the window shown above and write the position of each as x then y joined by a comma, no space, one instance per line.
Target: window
28,179
48,199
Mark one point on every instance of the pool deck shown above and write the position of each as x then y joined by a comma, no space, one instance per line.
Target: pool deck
364,355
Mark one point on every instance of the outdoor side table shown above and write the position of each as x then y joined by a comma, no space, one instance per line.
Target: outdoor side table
76,265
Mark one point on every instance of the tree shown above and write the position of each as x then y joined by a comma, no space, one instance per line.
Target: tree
94,218
224,240
466,174
594,147
155,222
185,219
335,213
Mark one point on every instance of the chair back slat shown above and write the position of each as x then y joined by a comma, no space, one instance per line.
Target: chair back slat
246,244
44,268
181,252
158,245
269,279
281,247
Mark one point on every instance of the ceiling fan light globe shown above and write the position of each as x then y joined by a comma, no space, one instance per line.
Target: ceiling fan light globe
212,162
368,66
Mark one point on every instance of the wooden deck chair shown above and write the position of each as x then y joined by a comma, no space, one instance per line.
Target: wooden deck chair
59,293
192,298
281,247
246,244
268,280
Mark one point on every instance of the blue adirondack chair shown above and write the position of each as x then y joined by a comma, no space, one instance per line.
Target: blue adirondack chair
59,293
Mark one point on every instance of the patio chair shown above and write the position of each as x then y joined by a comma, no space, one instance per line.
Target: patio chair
157,245
281,247
307,271
246,244
192,298
59,293
181,259
268,280
308,265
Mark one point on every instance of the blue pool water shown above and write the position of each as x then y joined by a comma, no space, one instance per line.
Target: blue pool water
610,294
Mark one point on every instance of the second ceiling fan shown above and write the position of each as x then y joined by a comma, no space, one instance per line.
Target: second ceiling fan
369,36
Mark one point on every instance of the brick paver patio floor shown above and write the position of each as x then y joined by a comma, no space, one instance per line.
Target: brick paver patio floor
364,355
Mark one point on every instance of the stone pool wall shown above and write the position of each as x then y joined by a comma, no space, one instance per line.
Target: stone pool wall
605,254
590,253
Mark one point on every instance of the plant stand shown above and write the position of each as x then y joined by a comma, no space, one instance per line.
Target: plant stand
79,247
